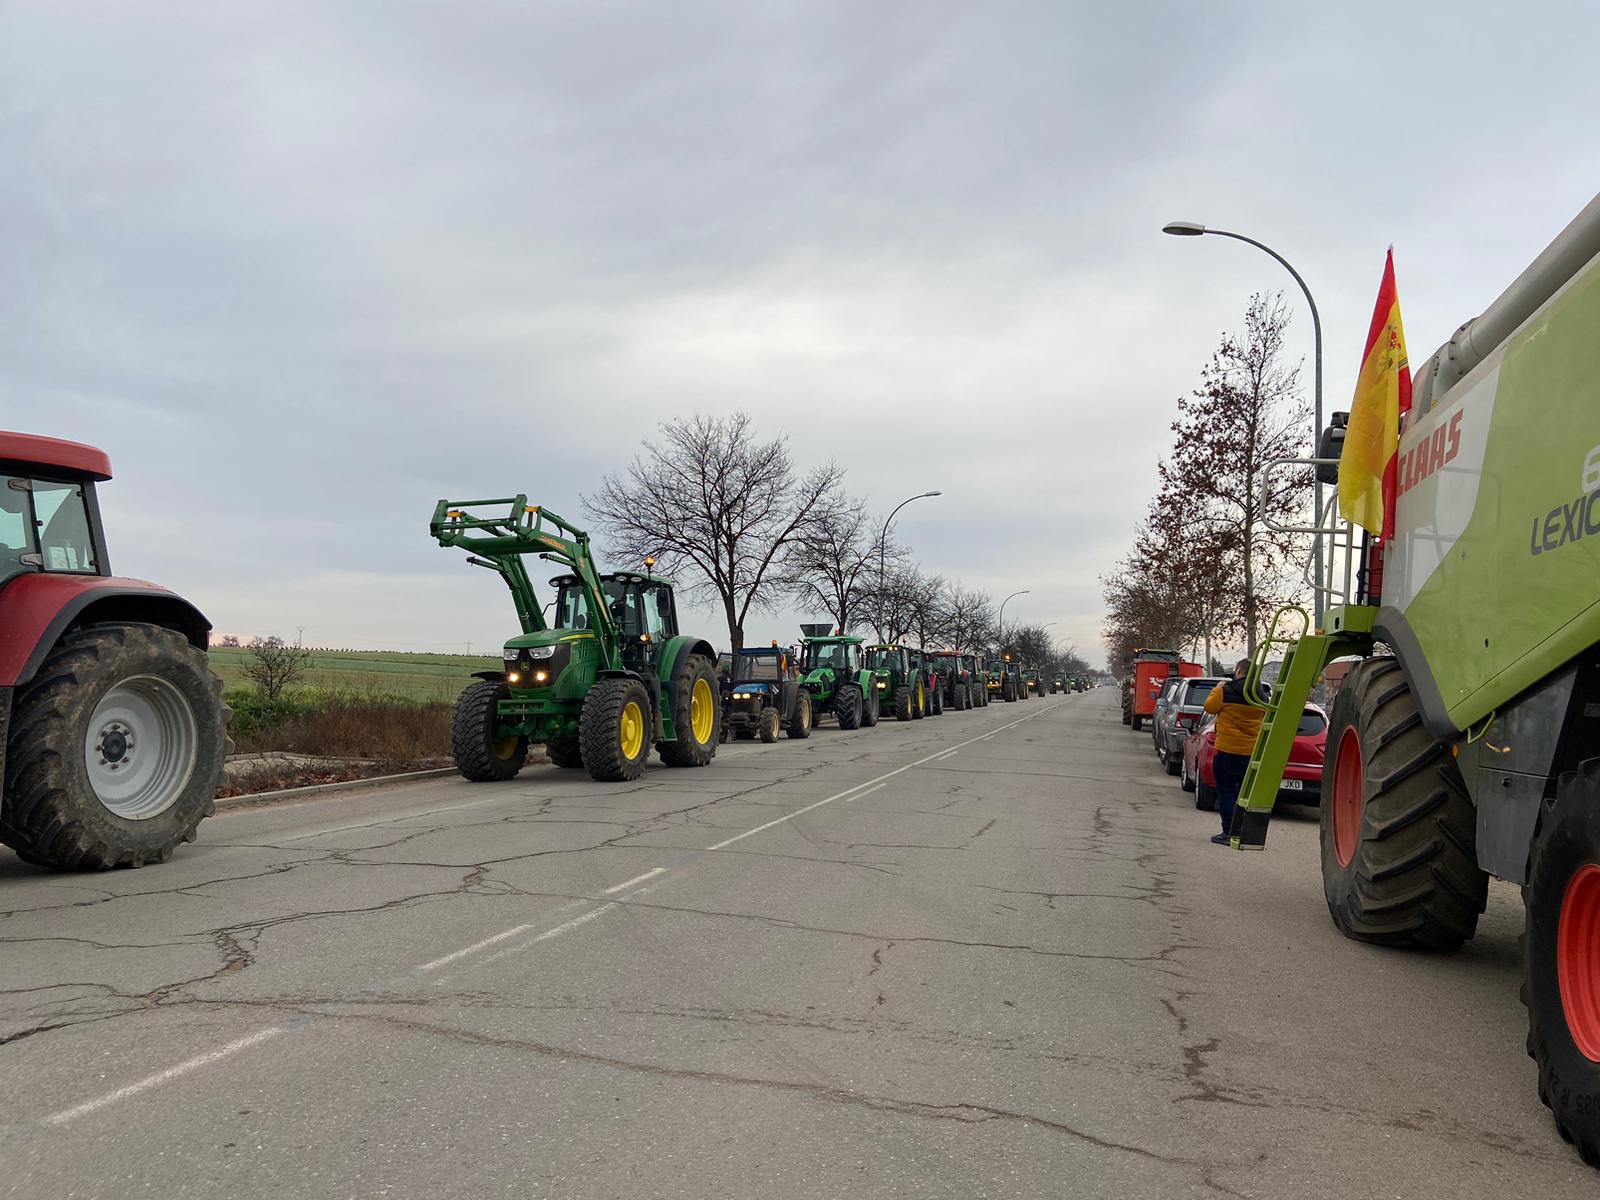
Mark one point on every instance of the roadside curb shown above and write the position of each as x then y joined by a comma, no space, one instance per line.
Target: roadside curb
314,789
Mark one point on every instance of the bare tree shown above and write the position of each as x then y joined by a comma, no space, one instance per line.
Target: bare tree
229,640
273,665
968,617
1070,662
1035,644
893,609
1245,413
834,565
925,606
714,503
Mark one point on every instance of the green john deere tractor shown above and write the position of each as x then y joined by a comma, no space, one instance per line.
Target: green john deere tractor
897,681
610,675
831,670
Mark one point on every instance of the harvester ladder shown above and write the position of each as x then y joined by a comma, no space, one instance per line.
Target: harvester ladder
1305,655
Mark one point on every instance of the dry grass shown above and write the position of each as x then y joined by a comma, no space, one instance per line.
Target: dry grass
389,730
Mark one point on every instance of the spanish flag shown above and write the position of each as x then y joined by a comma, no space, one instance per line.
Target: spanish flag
1383,392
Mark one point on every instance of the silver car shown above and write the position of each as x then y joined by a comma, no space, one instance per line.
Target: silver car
1169,688
1181,716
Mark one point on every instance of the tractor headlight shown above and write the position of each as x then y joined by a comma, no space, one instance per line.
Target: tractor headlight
513,677
883,683
537,652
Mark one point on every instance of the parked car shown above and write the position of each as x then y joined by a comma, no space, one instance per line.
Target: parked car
1302,778
1178,714
1169,688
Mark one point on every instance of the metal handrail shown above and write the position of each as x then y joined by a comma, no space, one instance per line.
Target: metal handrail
1340,536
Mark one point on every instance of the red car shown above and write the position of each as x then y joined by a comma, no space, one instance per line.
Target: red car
1302,778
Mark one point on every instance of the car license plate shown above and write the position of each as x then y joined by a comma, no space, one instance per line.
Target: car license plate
1291,785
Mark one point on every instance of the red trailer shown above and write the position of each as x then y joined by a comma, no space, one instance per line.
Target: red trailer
1151,669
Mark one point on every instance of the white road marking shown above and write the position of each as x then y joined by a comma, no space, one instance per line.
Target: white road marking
564,927
156,1080
875,787
622,887
888,775
475,947
942,757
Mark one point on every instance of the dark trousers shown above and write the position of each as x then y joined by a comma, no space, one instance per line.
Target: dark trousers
1229,770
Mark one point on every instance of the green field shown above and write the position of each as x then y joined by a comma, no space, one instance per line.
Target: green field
417,676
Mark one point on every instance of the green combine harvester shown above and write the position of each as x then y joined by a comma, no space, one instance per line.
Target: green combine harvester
609,676
1465,741
831,669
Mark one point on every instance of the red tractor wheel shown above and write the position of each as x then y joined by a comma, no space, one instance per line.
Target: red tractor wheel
1561,958
116,749
1399,863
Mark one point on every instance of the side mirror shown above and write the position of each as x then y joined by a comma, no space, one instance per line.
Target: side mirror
1332,446
664,603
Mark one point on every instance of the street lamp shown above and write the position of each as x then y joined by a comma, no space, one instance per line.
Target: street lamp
883,547
1195,229
1002,619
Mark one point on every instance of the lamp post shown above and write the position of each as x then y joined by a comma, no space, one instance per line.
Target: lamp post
1195,229
883,548
1002,618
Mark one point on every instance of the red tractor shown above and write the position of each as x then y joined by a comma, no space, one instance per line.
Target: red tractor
112,726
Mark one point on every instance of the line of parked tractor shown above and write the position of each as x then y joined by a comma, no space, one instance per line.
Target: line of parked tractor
1160,688
113,731
611,673
830,673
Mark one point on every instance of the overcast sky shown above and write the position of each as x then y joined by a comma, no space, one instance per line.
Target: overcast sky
305,268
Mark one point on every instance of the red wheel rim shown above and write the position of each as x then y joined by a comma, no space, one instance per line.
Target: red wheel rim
1578,959
1348,780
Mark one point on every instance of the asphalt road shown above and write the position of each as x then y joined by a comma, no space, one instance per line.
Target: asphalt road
989,954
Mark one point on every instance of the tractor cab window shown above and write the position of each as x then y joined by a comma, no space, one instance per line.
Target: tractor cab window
63,523
759,666
16,528
835,656
627,608
658,615
883,658
572,608
44,524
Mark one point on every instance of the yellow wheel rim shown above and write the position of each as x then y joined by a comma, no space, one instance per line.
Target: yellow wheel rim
505,747
632,730
702,712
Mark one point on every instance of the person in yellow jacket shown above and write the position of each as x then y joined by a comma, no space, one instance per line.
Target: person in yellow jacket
1238,722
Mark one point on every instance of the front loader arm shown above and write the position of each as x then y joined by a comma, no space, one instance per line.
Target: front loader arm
499,542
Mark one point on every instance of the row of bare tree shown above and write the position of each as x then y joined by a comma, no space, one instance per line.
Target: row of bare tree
1207,569
745,529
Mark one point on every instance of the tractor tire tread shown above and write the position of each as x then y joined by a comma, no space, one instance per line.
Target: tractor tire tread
1567,836
686,752
47,817
598,723
847,706
799,726
469,744
1414,878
